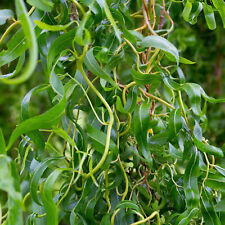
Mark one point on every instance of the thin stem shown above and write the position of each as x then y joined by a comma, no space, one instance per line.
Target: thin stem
157,98
148,22
13,25
107,190
79,6
125,89
151,60
148,218
31,11
111,119
183,110
136,53
8,30
92,107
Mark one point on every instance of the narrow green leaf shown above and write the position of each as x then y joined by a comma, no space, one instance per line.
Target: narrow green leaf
207,98
35,180
207,209
131,101
141,121
194,95
44,5
220,206
185,218
8,183
56,84
83,36
175,122
36,136
174,152
209,16
181,59
191,182
143,79
100,137
92,65
216,182
31,42
161,43
208,148
196,10
111,20
43,121
187,10
45,26
2,143
47,199
220,6
220,169
128,204
62,133
61,43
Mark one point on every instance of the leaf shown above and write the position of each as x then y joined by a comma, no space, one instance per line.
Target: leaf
83,36
207,208
16,46
44,5
181,59
8,183
175,122
187,10
2,143
191,182
43,121
220,169
143,79
174,152
36,135
209,16
105,219
76,218
56,84
61,43
207,98
216,182
194,95
92,65
62,133
161,43
131,101
128,204
34,183
198,131
47,199
100,137
31,219
126,33
141,121
31,43
45,26
196,10
5,14
220,6
111,20
186,217
219,207
208,148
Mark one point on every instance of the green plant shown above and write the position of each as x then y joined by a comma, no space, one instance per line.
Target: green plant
122,141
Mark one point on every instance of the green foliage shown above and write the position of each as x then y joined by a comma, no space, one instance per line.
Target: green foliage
123,137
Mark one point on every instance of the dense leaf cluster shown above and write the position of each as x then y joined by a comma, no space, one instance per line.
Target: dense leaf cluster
122,138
